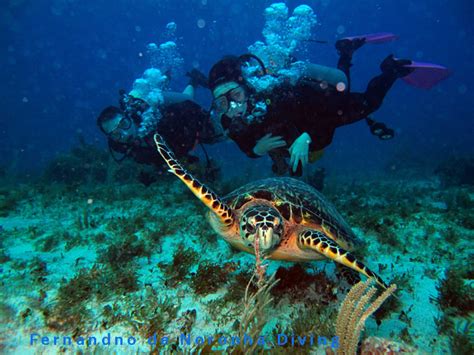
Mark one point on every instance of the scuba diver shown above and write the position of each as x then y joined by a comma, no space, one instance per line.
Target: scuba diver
182,122
298,121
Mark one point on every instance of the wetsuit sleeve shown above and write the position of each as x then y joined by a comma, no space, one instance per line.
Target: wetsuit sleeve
243,135
246,142
208,134
320,138
181,125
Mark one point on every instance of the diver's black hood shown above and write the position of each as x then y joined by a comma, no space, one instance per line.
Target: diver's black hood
107,114
229,69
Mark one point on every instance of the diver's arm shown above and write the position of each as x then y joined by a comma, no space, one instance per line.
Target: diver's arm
245,141
212,131
246,145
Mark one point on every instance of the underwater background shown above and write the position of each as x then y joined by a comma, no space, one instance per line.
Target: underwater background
90,247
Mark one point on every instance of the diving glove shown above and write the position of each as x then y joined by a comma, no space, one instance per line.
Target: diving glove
299,151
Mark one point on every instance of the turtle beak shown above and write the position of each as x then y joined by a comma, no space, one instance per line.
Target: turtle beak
265,238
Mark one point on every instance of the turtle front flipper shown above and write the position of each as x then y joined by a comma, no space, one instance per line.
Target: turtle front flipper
319,242
208,197
350,275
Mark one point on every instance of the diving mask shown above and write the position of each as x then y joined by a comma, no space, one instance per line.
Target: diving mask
233,99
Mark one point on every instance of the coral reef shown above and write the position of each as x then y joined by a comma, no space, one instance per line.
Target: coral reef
375,345
123,258
178,270
297,284
85,164
10,197
356,308
456,171
209,278
120,254
455,295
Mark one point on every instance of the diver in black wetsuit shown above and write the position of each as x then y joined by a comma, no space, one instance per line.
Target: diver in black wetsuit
296,120
180,120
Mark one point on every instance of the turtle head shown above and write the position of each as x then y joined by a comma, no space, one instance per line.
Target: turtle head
264,223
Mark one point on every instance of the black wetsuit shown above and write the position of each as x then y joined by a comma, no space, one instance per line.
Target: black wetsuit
182,125
306,107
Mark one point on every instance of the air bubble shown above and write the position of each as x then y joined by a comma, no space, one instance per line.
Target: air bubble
340,86
462,89
201,23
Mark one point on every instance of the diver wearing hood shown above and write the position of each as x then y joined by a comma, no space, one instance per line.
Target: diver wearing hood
182,122
295,121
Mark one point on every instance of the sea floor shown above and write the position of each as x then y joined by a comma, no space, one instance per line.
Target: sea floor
142,265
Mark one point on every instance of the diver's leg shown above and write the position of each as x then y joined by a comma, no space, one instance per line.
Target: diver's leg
189,90
344,64
173,97
321,73
196,78
360,105
346,48
378,87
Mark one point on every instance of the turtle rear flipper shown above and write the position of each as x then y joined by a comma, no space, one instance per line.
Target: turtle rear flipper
319,242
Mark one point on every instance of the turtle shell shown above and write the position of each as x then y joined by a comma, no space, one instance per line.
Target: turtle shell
298,203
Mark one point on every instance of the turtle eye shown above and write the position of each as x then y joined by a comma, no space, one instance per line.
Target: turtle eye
251,228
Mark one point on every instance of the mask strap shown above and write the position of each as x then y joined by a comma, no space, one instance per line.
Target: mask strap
248,56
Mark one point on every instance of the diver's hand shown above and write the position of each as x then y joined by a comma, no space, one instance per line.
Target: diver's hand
267,143
299,151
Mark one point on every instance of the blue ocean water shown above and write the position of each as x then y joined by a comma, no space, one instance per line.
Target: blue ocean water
66,60
67,223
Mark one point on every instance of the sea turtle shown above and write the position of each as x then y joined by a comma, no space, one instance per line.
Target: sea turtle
292,220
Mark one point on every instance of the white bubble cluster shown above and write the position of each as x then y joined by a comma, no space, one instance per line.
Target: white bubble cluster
290,75
166,57
150,89
150,86
150,119
165,61
283,34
